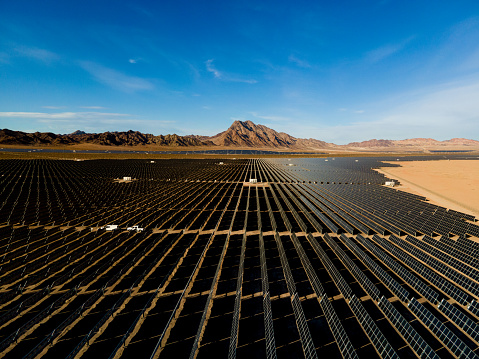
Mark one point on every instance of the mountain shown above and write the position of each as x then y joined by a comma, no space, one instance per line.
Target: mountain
135,138
248,134
413,142
128,138
371,143
239,134
9,137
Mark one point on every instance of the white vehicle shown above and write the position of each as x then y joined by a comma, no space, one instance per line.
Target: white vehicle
135,228
110,227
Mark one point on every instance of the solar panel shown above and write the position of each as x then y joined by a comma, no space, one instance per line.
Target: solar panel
332,227
303,329
313,278
474,307
384,349
410,278
337,329
440,282
446,258
444,334
460,319
394,286
415,341
236,311
338,279
268,317
268,327
304,333
368,286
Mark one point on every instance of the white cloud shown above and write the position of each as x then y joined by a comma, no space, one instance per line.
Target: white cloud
359,111
246,81
445,112
54,107
452,109
132,61
37,54
381,53
61,115
471,62
211,68
386,51
93,107
67,122
270,117
298,62
226,77
115,79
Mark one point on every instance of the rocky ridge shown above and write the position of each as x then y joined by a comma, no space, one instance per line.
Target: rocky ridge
248,134
413,142
239,134
128,138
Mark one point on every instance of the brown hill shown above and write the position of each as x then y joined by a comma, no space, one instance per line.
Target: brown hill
371,143
413,142
461,141
129,138
239,134
248,134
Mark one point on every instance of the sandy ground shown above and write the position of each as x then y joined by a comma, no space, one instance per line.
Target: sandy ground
452,184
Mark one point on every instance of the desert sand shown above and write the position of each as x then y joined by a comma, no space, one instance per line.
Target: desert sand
452,184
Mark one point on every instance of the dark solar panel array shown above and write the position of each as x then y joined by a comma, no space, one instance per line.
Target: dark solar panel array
317,259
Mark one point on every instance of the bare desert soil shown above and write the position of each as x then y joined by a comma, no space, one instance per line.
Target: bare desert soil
451,184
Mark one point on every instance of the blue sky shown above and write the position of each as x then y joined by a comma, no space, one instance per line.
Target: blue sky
335,71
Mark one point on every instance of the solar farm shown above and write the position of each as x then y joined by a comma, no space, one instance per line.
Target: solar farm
231,258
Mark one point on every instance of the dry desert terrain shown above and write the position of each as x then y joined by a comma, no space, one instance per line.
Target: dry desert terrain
452,184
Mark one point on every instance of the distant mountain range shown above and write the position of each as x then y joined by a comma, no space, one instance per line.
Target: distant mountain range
129,138
239,134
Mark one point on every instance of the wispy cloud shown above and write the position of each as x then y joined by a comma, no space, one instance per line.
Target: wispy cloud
61,115
67,122
445,112
35,53
270,117
246,81
144,12
116,79
471,62
383,52
93,107
210,67
344,109
460,39
54,107
135,60
298,62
